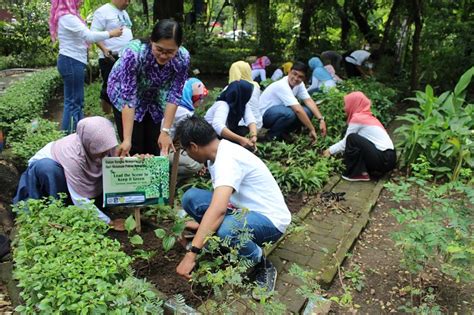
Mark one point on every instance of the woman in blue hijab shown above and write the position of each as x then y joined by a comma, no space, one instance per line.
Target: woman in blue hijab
321,79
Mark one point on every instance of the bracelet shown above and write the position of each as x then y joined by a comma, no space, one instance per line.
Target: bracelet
321,118
250,135
166,130
195,250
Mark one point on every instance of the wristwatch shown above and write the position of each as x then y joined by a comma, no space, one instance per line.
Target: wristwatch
195,250
321,119
166,130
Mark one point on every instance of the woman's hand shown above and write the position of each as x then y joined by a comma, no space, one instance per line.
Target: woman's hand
116,32
165,143
123,149
326,153
246,143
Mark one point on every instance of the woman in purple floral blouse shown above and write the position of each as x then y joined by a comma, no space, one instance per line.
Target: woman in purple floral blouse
145,85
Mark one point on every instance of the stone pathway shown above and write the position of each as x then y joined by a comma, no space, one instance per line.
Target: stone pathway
325,239
7,77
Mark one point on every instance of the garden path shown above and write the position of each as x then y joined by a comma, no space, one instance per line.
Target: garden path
330,230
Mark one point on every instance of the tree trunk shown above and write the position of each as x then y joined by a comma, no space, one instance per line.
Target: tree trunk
387,29
264,25
361,21
146,12
345,23
309,6
168,9
417,18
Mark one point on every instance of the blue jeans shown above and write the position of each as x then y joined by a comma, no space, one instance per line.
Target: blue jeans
72,72
196,201
282,119
43,178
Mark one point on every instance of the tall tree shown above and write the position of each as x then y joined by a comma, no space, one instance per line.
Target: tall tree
165,9
417,18
360,18
309,7
388,25
265,25
342,12
146,12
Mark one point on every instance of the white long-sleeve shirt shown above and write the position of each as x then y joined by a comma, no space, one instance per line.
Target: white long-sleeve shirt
375,134
253,103
74,37
77,200
217,116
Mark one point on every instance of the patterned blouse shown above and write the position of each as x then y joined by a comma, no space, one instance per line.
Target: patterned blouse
137,81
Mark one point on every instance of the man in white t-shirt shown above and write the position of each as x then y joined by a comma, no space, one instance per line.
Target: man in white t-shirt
281,111
359,63
242,183
109,16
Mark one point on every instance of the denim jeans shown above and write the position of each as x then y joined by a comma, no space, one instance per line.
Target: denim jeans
72,72
282,119
196,201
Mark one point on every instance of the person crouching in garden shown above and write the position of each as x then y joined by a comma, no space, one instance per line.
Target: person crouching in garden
367,147
194,92
145,86
233,105
240,181
72,165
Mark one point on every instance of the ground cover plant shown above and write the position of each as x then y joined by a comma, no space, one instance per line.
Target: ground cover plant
65,263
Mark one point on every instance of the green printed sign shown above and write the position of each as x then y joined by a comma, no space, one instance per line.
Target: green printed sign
133,182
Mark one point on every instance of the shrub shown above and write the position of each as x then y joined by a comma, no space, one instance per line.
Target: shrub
441,129
92,106
64,263
27,138
27,98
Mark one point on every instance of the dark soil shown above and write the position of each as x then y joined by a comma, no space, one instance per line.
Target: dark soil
385,280
161,269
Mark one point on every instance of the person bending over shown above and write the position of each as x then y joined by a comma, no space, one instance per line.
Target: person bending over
367,147
230,108
72,165
240,181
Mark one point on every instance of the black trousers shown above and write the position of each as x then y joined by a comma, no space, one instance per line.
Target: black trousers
105,66
352,70
145,134
361,156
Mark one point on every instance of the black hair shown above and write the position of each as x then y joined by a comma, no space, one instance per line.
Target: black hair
195,129
167,29
300,66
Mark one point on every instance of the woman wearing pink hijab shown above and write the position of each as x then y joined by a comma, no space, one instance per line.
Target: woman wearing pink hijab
367,147
72,165
66,24
258,68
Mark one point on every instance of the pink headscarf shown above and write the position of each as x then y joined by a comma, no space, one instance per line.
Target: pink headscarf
261,63
80,154
357,107
60,8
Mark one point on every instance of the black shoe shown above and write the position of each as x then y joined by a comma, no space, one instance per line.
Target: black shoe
265,279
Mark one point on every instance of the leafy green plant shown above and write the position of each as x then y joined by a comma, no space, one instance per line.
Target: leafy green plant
29,137
440,232
27,98
356,277
92,105
310,288
441,129
64,263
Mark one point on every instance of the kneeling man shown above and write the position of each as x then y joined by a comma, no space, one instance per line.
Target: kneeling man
241,181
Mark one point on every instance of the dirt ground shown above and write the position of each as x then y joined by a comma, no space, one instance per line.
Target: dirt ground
161,269
385,283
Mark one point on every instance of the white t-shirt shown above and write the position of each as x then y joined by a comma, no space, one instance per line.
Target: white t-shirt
280,93
217,114
77,200
181,114
74,37
107,18
277,75
255,188
358,57
375,134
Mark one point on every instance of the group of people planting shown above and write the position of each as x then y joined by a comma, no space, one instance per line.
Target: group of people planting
153,101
